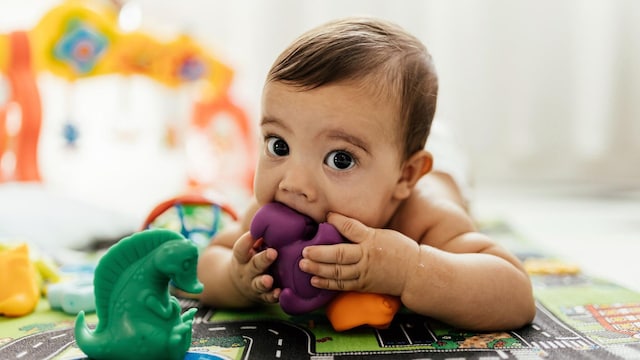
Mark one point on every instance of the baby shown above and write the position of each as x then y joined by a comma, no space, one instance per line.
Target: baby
346,112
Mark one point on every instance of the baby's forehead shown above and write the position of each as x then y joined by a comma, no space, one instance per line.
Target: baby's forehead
383,93
358,106
381,85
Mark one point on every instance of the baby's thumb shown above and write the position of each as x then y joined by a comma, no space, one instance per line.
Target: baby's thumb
350,228
243,248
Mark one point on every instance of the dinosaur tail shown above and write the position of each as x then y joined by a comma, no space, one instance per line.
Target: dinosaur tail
86,339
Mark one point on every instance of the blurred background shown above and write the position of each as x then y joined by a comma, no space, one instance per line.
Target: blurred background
541,96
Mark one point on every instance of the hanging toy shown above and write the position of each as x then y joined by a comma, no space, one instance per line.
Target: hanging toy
70,129
70,133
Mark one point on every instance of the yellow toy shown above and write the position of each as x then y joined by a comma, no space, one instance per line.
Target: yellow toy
19,293
547,266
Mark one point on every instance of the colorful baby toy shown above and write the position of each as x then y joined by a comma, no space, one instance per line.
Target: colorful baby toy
137,317
197,217
289,231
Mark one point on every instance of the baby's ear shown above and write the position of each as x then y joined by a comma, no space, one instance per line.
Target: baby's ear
416,166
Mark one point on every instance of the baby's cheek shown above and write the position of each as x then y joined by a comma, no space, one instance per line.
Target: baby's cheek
263,194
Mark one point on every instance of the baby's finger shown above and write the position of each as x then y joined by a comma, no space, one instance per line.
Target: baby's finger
261,262
262,283
330,271
271,297
263,286
344,254
330,284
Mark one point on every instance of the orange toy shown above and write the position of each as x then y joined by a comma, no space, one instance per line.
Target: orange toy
19,293
351,309
23,104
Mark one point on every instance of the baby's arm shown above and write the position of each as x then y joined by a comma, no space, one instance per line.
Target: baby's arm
467,280
232,272
487,272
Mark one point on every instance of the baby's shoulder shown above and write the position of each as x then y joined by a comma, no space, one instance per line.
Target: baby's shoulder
415,215
421,213
430,205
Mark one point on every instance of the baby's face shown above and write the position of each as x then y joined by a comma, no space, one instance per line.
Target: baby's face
333,148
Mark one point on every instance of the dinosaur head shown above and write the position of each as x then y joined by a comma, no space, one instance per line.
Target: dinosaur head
179,261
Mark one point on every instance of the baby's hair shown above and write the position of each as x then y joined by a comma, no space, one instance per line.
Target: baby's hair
380,55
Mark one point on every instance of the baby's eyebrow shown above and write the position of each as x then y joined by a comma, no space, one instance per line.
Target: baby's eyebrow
350,138
267,120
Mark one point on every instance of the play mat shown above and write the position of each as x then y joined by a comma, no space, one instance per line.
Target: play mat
578,317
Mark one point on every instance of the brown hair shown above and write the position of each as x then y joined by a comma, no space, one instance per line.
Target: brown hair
362,48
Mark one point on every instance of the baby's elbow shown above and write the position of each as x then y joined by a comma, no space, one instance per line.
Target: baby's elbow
524,318
530,313
527,309
521,314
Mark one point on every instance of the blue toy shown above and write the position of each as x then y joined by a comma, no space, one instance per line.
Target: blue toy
72,296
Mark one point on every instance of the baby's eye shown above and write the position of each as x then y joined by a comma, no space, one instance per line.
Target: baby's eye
340,160
277,146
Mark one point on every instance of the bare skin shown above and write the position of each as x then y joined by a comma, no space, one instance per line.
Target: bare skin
327,153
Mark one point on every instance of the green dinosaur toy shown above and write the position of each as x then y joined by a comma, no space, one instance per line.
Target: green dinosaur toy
137,317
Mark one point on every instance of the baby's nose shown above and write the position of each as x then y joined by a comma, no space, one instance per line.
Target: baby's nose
300,182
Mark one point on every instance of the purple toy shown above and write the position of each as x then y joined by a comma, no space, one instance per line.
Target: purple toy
289,231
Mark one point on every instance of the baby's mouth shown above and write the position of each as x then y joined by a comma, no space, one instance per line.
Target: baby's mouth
304,212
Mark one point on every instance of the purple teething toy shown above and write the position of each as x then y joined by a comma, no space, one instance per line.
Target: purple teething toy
289,231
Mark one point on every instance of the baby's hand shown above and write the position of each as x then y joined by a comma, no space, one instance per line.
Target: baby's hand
376,260
248,271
